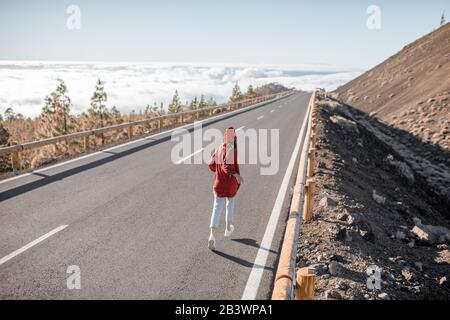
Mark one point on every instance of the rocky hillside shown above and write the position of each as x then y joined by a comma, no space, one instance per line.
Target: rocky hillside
410,90
379,204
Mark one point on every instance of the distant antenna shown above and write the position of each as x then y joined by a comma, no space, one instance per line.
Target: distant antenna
443,18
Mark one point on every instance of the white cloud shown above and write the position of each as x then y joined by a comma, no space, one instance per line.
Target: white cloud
131,86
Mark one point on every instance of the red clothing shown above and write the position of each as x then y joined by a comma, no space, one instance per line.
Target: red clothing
225,183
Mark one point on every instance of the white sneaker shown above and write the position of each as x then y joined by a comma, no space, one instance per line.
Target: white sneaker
229,232
211,243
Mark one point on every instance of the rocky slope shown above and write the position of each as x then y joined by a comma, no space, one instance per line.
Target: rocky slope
410,90
379,204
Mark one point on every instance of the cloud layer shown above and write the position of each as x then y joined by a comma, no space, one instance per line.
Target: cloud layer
131,86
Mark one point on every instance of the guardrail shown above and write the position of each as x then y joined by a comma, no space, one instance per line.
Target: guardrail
180,117
291,283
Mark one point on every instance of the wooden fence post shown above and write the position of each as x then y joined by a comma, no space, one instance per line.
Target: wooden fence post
86,143
312,151
306,284
130,132
307,213
313,139
15,161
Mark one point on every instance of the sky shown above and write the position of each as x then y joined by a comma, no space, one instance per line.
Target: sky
145,50
239,31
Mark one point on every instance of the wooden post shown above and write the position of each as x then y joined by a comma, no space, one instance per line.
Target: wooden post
313,140
311,161
159,124
86,143
15,161
197,115
130,132
307,213
181,119
306,284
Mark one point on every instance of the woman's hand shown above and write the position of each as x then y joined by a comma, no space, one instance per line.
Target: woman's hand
239,179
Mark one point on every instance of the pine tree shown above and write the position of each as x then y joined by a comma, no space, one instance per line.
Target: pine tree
116,117
194,104
211,103
443,18
175,106
55,120
98,112
10,114
161,110
236,94
202,103
250,92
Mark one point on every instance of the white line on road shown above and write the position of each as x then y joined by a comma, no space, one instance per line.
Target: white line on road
239,129
272,111
31,244
189,156
259,118
251,289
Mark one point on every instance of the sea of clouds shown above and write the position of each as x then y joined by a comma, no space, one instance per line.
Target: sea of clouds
131,86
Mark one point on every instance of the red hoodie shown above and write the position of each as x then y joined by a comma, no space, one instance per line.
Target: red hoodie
225,184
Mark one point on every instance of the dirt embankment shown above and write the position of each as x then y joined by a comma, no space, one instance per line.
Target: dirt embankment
382,199
410,90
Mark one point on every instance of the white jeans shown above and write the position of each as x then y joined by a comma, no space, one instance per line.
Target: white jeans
217,211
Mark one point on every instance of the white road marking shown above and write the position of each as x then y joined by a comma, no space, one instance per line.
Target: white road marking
31,244
189,156
252,286
123,145
239,129
272,111
259,118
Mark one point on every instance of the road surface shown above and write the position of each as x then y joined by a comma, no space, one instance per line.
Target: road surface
136,224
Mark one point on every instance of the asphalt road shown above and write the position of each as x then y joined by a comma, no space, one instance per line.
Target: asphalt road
137,224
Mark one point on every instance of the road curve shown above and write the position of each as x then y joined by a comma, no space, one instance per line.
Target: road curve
136,224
